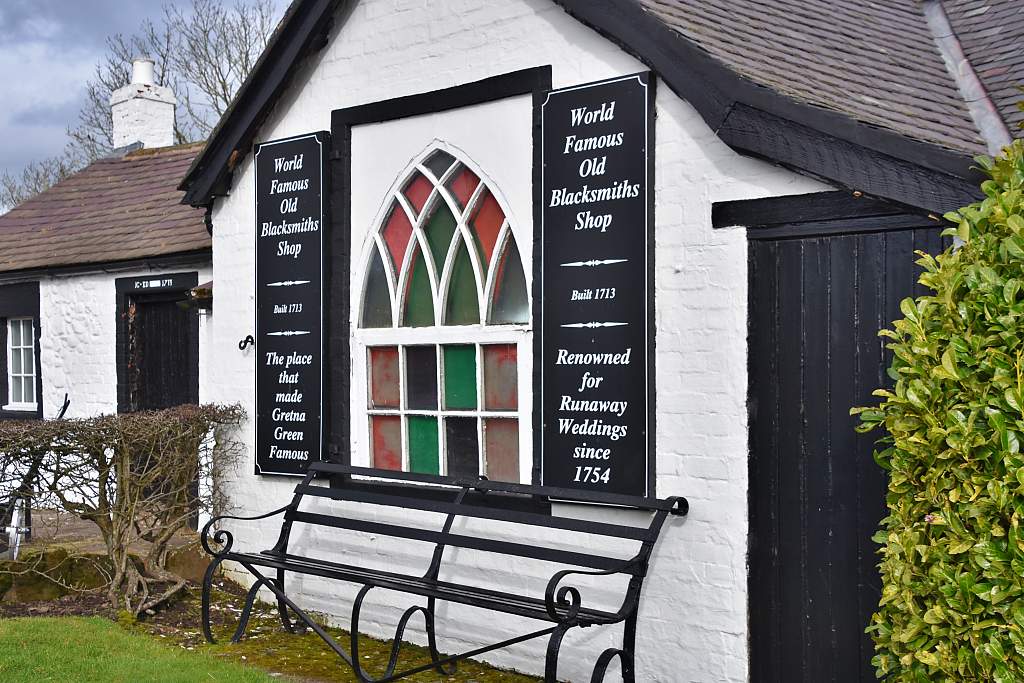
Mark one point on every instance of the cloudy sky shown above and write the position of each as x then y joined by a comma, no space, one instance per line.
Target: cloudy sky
48,50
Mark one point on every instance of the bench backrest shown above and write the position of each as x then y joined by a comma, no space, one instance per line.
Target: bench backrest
483,499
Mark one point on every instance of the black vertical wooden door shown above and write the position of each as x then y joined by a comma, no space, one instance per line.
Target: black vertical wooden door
816,494
164,356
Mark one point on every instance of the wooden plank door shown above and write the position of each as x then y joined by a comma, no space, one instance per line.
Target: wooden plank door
816,495
163,358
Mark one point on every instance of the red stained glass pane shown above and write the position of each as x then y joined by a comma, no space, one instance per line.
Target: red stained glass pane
501,377
501,448
384,377
486,221
396,234
417,191
462,185
386,434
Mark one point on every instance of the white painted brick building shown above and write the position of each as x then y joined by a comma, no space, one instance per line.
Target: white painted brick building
726,139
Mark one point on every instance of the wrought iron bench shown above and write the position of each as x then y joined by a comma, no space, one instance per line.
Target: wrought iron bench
561,606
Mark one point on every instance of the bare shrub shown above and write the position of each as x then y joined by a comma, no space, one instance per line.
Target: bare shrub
140,477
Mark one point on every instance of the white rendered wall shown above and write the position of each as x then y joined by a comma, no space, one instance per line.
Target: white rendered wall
78,317
693,623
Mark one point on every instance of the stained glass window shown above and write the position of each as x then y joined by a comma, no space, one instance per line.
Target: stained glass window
444,315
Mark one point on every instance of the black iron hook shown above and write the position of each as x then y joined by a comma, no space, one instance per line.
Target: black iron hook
247,342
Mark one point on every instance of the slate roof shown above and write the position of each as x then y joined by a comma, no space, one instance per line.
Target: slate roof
992,35
876,61
115,209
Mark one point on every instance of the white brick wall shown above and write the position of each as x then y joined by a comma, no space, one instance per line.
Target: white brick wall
78,315
693,624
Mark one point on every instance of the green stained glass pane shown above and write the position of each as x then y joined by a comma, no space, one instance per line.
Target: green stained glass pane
419,301
510,304
463,305
423,442
376,298
440,228
460,377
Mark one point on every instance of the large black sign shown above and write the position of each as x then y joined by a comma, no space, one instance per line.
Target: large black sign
290,220
596,317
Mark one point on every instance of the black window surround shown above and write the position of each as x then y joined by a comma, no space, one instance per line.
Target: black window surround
337,391
20,301
156,283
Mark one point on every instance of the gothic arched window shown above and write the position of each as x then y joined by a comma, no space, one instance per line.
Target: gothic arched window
443,313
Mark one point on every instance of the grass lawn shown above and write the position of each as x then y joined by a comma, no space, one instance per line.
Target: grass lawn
94,649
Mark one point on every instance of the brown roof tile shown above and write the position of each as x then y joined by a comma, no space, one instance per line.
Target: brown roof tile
115,209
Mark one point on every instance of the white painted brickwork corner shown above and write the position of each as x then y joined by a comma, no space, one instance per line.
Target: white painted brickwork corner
693,623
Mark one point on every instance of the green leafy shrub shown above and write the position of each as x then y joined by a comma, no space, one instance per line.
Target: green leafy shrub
952,547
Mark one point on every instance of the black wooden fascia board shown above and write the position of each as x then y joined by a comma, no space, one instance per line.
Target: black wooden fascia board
299,32
148,262
800,208
725,100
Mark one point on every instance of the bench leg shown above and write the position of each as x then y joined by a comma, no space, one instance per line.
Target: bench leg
551,660
211,569
625,656
428,615
250,598
282,608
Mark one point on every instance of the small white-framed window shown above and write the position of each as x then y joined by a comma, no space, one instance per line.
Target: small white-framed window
21,364
442,329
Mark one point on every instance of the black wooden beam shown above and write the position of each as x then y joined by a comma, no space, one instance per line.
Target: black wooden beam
800,208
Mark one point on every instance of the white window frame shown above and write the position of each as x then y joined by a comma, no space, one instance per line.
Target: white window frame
439,334
30,374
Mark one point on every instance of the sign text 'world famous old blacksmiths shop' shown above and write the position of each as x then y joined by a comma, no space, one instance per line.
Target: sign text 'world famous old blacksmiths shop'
290,220
596,318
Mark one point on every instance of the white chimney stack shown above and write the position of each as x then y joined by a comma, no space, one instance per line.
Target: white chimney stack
143,111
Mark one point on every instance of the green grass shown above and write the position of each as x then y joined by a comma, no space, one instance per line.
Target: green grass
87,650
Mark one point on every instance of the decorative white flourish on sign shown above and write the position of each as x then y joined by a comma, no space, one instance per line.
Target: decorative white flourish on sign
288,283
593,325
593,262
288,333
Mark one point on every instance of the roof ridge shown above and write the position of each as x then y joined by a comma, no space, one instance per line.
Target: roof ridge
987,118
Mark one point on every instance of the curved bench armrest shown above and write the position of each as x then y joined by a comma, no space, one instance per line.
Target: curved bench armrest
223,537
568,597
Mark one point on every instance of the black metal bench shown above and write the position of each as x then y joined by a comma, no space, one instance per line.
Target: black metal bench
561,606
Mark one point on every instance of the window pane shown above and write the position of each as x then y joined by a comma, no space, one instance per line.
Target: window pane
423,444
15,328
417,191
16,364
460,377
396,235
26,333
439,162
28,356
386,434
377,298
384,377
510,302
421,377
486,222
501,377
440,228
463,304
419,300
461,185
462,446
501,444
16,389
29,389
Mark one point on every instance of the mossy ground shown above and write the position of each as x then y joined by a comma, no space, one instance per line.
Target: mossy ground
303,656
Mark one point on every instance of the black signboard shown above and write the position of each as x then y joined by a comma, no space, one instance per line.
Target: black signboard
290,219
595,260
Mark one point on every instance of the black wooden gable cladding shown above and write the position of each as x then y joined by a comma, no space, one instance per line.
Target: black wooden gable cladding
750,117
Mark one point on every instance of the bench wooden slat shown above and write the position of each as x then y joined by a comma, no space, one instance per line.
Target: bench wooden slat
554,493
467,510
458,540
